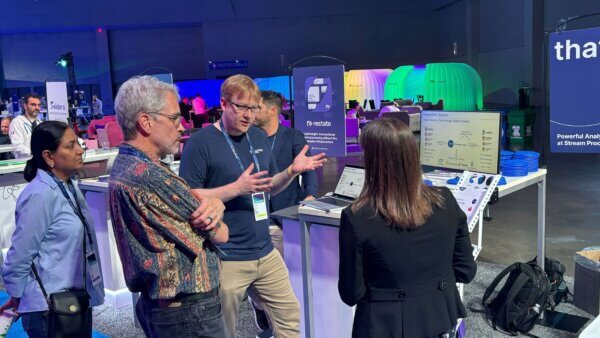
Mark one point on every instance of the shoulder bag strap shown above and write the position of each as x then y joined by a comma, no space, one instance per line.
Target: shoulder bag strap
37,277
79,213
490,289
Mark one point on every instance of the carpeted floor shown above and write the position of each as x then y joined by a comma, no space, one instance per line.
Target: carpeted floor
476,324
119,322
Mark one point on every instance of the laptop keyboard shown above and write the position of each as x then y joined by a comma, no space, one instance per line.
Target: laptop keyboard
335,201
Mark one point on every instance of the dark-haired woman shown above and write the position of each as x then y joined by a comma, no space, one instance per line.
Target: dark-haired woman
52,223
403,245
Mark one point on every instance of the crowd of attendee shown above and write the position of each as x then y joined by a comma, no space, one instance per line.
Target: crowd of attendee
195,244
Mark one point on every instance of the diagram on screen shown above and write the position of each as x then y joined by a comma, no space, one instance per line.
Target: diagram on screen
460,140
319,96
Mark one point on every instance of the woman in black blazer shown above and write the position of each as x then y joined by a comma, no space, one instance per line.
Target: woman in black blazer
403,245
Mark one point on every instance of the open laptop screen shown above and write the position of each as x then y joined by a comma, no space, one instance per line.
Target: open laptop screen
351,182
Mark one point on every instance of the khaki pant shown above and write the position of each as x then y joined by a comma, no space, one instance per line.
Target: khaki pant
277,238
267,281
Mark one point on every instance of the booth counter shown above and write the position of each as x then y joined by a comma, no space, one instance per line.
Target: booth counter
96,155
311,254
96,195
6,148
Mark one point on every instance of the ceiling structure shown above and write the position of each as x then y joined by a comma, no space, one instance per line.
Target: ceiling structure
29,16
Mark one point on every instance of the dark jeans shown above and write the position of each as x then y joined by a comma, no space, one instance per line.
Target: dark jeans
35,324
196,318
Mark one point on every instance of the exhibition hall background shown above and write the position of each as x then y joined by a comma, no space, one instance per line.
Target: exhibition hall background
114,40
502,40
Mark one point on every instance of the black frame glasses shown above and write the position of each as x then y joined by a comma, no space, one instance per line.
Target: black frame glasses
242,108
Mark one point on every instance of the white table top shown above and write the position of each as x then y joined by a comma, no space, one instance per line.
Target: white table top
93,184
13,166
512,184
517,183
100,184
5,148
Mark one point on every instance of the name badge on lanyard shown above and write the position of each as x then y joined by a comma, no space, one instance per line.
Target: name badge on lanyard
91,259
259,203
93,267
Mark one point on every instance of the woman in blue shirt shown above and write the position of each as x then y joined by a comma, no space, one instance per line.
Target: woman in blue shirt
49,233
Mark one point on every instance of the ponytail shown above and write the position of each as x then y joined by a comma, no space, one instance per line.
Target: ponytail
30,170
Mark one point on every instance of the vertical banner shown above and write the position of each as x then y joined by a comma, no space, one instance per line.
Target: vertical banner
574,91
319,108
56,97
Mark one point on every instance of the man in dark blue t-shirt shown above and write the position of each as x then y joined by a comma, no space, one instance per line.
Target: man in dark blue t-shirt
232,160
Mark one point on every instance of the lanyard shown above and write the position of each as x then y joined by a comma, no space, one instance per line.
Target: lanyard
237,157
273,142
29,126
274,139
77,210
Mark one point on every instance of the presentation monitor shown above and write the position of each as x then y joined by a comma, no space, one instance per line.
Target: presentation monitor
460,140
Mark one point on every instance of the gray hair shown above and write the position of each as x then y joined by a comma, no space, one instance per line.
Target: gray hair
140,94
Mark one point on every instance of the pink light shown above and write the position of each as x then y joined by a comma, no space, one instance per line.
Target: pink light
99,30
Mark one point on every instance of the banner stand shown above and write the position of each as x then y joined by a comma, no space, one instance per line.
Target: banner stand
291,70
319,108
559,27
56,98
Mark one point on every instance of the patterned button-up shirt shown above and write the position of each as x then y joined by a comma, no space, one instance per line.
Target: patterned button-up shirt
150,207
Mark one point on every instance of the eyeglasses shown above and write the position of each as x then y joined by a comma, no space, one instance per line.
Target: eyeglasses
242,108
175,118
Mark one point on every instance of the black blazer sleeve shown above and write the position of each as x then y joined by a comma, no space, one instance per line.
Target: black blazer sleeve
351,284
462,260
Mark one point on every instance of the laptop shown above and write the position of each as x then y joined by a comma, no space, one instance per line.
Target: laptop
93,169
347,190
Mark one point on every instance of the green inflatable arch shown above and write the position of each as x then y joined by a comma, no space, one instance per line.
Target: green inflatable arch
458,84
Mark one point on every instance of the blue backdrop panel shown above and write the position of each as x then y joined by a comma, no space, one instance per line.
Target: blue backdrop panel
575,91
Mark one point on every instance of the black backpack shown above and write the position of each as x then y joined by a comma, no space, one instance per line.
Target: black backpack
521,300
559,291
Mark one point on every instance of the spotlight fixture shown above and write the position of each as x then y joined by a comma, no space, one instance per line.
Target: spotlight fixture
65,60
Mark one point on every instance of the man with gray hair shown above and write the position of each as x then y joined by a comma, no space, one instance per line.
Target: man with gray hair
4,138
165,235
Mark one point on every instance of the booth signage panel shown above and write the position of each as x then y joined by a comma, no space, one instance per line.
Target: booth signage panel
319,108
58,106
574,91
